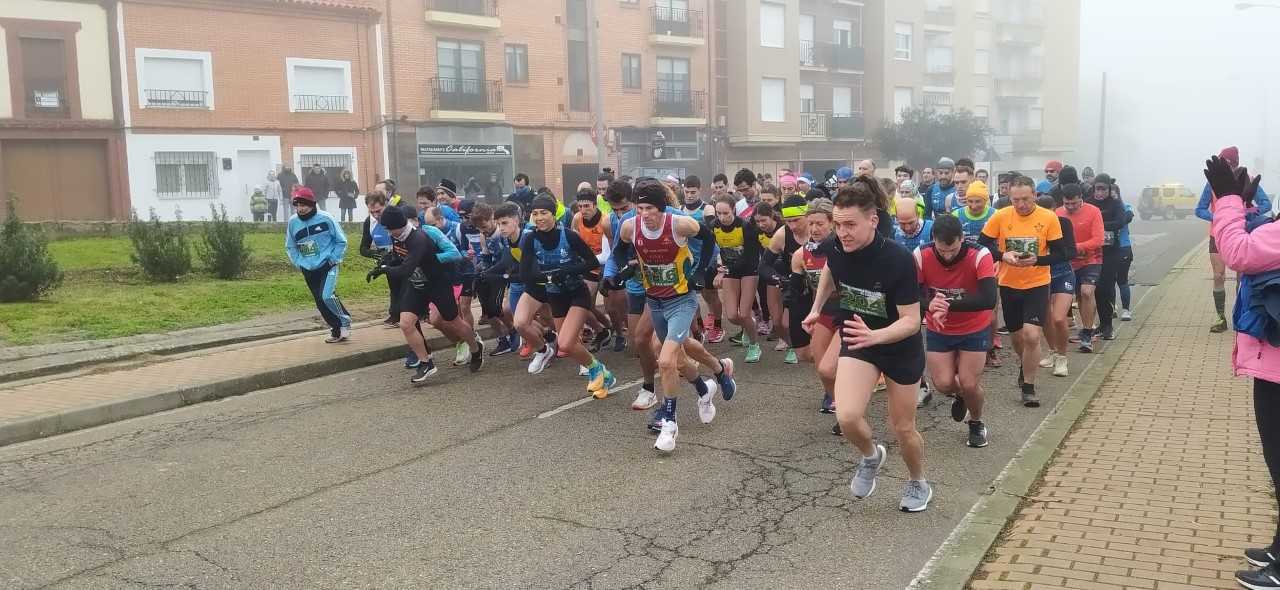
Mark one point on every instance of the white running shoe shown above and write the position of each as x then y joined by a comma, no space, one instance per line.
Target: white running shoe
667,436
542,358
583,371
706,405
1048,361
645,399
462,354
1060,366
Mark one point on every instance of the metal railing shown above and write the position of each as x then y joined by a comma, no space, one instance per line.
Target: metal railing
49,103
809,54
814,124
175,99
680,103
680,22
318,103
848,126
466,94
474,7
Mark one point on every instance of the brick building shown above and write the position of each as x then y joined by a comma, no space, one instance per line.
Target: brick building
219,92
61,152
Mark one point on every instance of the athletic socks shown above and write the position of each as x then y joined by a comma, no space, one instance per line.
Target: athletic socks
648,386
669,408
699,385
1220,302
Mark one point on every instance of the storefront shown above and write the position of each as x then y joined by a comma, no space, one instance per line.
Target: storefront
465,154
685,151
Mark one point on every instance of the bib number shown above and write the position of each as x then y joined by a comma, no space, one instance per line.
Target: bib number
661,275
1023,245
863,302
308,247
1108,238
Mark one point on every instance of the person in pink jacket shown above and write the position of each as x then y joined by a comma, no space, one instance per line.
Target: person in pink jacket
1250,253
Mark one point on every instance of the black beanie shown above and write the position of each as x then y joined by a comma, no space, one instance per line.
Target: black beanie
1068,175
393,218
544,202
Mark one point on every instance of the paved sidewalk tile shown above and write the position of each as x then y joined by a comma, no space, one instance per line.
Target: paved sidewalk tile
1162,483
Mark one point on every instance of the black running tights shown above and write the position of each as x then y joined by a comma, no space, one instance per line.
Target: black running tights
1266,408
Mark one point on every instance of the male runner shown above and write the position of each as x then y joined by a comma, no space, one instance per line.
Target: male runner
910,231
959,284
875,283
1204,210
942,190
1026,239
1086,225
315,244
596,229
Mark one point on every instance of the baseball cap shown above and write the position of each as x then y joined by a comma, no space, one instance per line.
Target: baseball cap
304,194
844,173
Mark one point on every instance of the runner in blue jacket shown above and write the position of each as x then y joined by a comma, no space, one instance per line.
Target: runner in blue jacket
315,244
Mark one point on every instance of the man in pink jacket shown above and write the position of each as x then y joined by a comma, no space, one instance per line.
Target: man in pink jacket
1251,253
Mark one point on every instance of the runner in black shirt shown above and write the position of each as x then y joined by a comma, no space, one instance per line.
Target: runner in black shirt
874,280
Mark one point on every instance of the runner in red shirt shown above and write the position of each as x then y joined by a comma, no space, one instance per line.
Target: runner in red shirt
958,281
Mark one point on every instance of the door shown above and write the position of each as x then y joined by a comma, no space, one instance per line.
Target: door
58,180
462,83
808,52
674,96
574,174
251,171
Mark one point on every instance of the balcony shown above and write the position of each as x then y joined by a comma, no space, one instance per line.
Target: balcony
317,103
675,26
175,99
675,108
465,99
814,126
810,57
848,126
1026,141
47,104
464,14
942,75
1025,88
1021,35
832,56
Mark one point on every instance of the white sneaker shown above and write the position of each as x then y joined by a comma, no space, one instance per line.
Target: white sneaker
1049,361
583,371
1126,315
344,333
706,407
645,399
462,354
542,358
1060,366
667,436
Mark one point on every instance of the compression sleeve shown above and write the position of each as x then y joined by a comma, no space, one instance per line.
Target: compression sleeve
985,298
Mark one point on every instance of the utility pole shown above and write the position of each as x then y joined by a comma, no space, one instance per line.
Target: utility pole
1102,127
597,96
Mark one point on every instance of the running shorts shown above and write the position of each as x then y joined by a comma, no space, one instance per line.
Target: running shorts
673,317
1088,275
490,295
1063,284
979,341
436,294
1024,306
902,362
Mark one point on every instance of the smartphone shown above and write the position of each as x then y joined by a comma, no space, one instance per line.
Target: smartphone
1024,255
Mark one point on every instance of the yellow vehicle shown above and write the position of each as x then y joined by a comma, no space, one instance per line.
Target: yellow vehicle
1173,200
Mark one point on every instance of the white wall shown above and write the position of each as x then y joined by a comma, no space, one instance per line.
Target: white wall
142,173
92,51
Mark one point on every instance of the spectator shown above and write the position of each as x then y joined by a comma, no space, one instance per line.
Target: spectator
347,190
258,203
492,189
288,183
273,194
319,185
472,189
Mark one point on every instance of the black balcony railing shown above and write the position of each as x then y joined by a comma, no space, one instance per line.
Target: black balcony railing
814,124
679,103
848,126
47,103
475,7
176,99
319,103
809,54
676,21
466,94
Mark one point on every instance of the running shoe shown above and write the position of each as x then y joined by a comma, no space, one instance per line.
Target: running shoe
706,402
583,371
502,347
916,496
864,477
1003,331
993,359
596,376
923,396
835,430
1217,328
656,419
977,434
740,339
477,358
1266,578
411,360
425,370
715,334
619,343
958,411
828,404
791,357
601,338
1060,366
781,346
753,353
645,399
667,436
764,328
335,337
1259,557
709,321
1126,315
1086,341
526,350
1048,361
542,358
728,386
390,323
461,354
1030,399
1109,334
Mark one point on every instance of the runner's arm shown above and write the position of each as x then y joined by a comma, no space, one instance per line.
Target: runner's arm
991,244
1057,253
415,250
339,247
705,259
1206,201
366,241
778,242
621,255
587,259
446,252
291,246
984,299
906,326
825,287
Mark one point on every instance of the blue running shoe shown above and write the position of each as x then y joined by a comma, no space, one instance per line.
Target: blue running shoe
503,346
411,360
828,404
728,386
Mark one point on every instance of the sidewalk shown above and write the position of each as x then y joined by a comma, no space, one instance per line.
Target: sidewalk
1161,484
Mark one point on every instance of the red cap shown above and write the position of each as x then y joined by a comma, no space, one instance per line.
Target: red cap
1231,154
303,193
1053,165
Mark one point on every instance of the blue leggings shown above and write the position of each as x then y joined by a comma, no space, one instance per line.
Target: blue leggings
322,282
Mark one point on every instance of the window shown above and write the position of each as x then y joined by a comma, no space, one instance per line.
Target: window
981,62
44,74
630,70
902,34
333,164
846,33
186,174
981,95
938,101
773,100
773,22
319,85
1035,118
175,79
461,62
807,104
841,101
938,52
903,98
517,63
808,49
673,79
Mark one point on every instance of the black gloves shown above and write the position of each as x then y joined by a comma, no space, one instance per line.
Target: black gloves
1222,179
1250,187
375,273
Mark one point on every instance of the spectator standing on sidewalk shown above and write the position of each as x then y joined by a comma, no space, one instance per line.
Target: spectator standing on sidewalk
274,195
1255,254
258,204
288,182
319,185
347,190
315,244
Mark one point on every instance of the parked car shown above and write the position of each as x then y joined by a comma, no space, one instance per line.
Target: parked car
1169,201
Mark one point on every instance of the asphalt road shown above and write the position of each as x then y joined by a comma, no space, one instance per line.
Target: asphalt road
359,480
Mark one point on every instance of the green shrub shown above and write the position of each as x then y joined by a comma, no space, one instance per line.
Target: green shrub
160,249
27,270
224,252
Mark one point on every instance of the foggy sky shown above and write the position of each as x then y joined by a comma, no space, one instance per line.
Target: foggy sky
1184,79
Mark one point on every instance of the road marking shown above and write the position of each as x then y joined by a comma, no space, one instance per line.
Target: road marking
1138,240
952,539
578,402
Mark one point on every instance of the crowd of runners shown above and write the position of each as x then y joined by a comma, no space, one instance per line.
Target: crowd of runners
840,272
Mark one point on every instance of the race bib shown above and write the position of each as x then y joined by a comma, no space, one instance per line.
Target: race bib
863,302
1016,245
812,276
661,275
971,239
308,247
950,294
1108,238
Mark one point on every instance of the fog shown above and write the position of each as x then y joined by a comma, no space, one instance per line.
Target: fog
1184,79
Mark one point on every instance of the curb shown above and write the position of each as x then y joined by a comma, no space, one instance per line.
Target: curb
124,409
955,561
